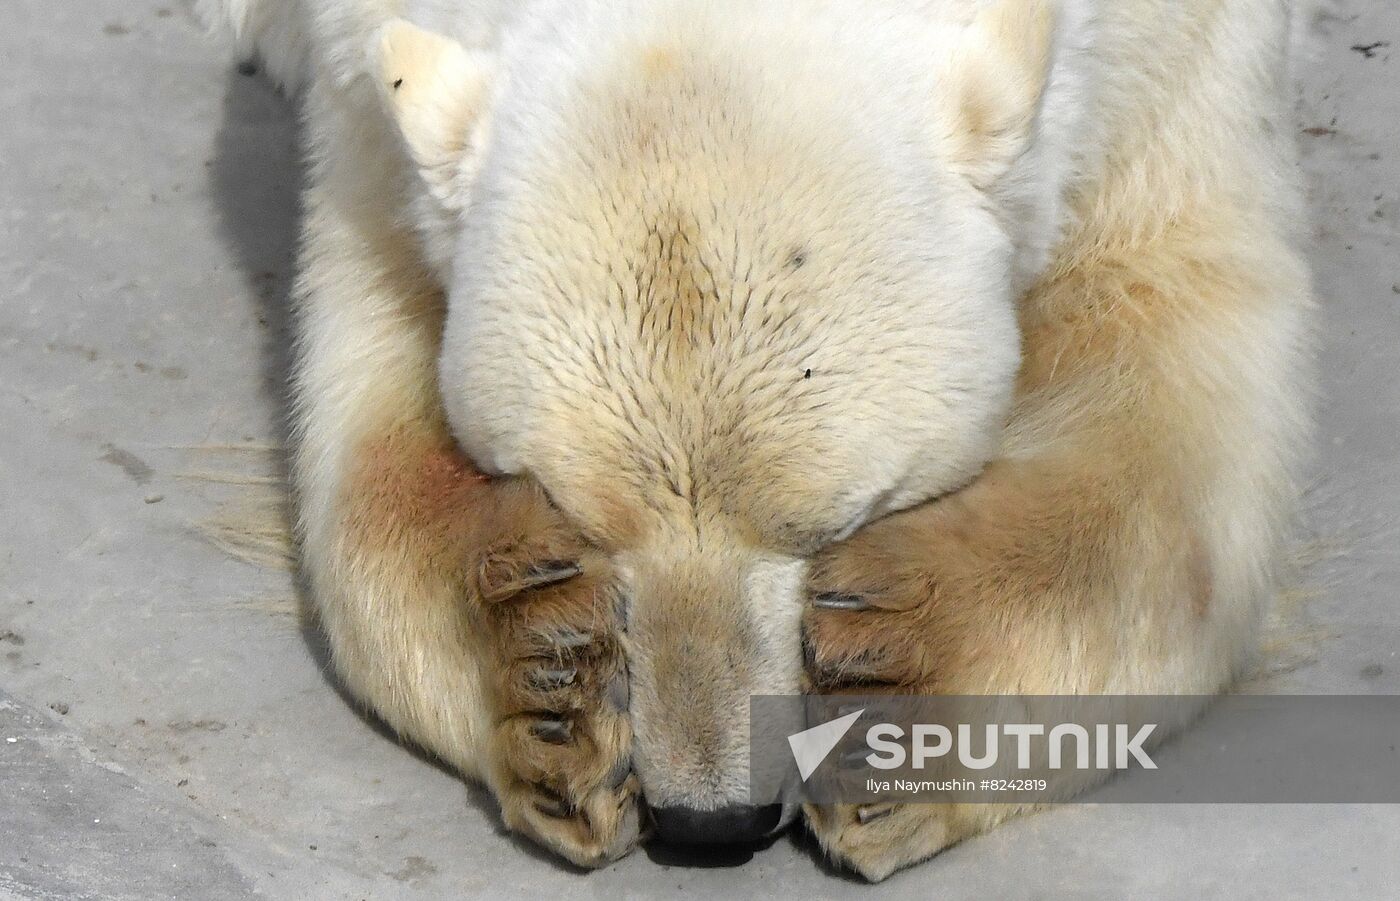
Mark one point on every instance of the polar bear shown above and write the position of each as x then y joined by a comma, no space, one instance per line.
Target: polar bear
659,353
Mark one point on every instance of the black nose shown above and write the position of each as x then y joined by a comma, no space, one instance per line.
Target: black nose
726,826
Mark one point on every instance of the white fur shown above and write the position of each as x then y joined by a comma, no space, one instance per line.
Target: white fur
804,174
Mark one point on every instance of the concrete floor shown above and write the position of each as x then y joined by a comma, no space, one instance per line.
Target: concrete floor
167,728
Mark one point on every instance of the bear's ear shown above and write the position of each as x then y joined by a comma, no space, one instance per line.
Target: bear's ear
991,83
437,92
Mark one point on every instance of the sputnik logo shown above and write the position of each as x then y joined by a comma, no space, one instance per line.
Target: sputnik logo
810,747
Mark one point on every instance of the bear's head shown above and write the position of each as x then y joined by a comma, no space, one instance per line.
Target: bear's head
729,280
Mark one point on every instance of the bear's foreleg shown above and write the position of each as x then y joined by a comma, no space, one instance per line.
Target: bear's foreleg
464,611
1124,541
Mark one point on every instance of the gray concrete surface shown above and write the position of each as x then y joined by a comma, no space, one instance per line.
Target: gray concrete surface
167,729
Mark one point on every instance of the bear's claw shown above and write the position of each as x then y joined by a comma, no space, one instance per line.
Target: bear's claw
552,679
554,732
831,600
501,581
